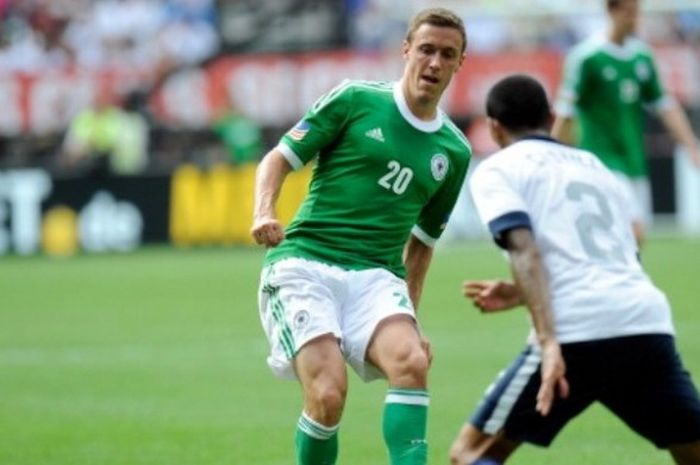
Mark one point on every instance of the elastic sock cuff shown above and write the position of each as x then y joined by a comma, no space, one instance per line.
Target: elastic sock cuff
408,396
315,429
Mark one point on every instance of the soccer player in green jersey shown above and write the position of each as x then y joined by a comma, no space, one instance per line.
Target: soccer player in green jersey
608,79
342,282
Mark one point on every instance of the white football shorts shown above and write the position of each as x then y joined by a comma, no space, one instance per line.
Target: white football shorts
300,300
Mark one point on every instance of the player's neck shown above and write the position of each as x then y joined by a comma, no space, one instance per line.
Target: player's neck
424,110
512,138
617,35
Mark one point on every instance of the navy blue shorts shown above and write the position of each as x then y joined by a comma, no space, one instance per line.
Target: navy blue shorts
639,378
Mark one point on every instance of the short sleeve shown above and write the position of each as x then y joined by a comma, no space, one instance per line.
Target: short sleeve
652,87
498,201
319,127
436,213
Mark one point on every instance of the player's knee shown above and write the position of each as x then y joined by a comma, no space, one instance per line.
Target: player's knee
410,367
327,401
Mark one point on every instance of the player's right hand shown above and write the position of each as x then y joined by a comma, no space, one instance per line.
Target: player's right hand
267,231
554,383
492,296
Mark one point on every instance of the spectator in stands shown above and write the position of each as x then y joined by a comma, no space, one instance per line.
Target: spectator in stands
240,135
107,138
608,81
34,36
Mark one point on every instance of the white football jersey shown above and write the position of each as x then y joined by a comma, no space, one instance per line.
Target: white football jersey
575,209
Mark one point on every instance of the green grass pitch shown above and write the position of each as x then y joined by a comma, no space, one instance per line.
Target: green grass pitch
157,358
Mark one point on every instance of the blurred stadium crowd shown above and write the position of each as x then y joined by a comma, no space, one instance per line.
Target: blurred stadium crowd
38,35
128,49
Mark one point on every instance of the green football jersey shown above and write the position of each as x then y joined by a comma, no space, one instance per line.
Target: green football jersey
607,86
380,174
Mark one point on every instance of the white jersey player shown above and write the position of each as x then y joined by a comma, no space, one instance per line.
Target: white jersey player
561,216
576,208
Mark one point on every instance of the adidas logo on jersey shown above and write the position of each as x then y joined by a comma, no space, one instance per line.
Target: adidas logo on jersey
375,134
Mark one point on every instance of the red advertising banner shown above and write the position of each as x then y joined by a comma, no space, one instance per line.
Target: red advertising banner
276,89
45,103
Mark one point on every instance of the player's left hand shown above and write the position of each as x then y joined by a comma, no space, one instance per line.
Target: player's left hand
553,380
492,295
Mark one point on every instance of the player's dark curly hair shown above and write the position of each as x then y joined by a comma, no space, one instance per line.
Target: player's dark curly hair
519,103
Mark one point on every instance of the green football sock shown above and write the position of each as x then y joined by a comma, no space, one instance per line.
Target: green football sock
316,444
405,419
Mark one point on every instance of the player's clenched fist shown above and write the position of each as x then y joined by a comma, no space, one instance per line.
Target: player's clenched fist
267,232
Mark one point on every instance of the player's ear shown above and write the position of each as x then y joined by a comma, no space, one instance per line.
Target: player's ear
496,131
550,121
405,47
461,59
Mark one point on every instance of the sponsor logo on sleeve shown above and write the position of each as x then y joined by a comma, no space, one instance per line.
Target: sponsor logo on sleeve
298,132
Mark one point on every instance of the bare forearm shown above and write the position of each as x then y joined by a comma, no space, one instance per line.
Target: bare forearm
417,257
678,126
270,176
531,280
530,277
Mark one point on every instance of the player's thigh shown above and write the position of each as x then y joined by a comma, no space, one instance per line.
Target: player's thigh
652,392
320,367
395,348
508,405
298,301
377,302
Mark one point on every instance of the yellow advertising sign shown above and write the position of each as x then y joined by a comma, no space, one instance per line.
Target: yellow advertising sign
216,206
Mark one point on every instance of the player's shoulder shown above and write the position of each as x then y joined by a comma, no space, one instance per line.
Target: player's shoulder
638,47
505,159
531,154
352,92
594,162
366,87
587,48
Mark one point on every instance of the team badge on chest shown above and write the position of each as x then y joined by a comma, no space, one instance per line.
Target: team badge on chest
438,166
642,71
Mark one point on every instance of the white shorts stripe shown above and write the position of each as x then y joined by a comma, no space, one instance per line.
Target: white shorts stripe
512,392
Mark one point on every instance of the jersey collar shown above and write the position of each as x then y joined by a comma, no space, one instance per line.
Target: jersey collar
621,52
425,126
540,138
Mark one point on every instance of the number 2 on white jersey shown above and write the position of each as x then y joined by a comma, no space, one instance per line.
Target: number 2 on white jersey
588,222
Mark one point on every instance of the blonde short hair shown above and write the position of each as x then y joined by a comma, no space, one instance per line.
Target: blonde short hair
441,17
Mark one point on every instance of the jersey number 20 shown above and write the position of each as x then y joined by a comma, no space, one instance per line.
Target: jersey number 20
397,178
